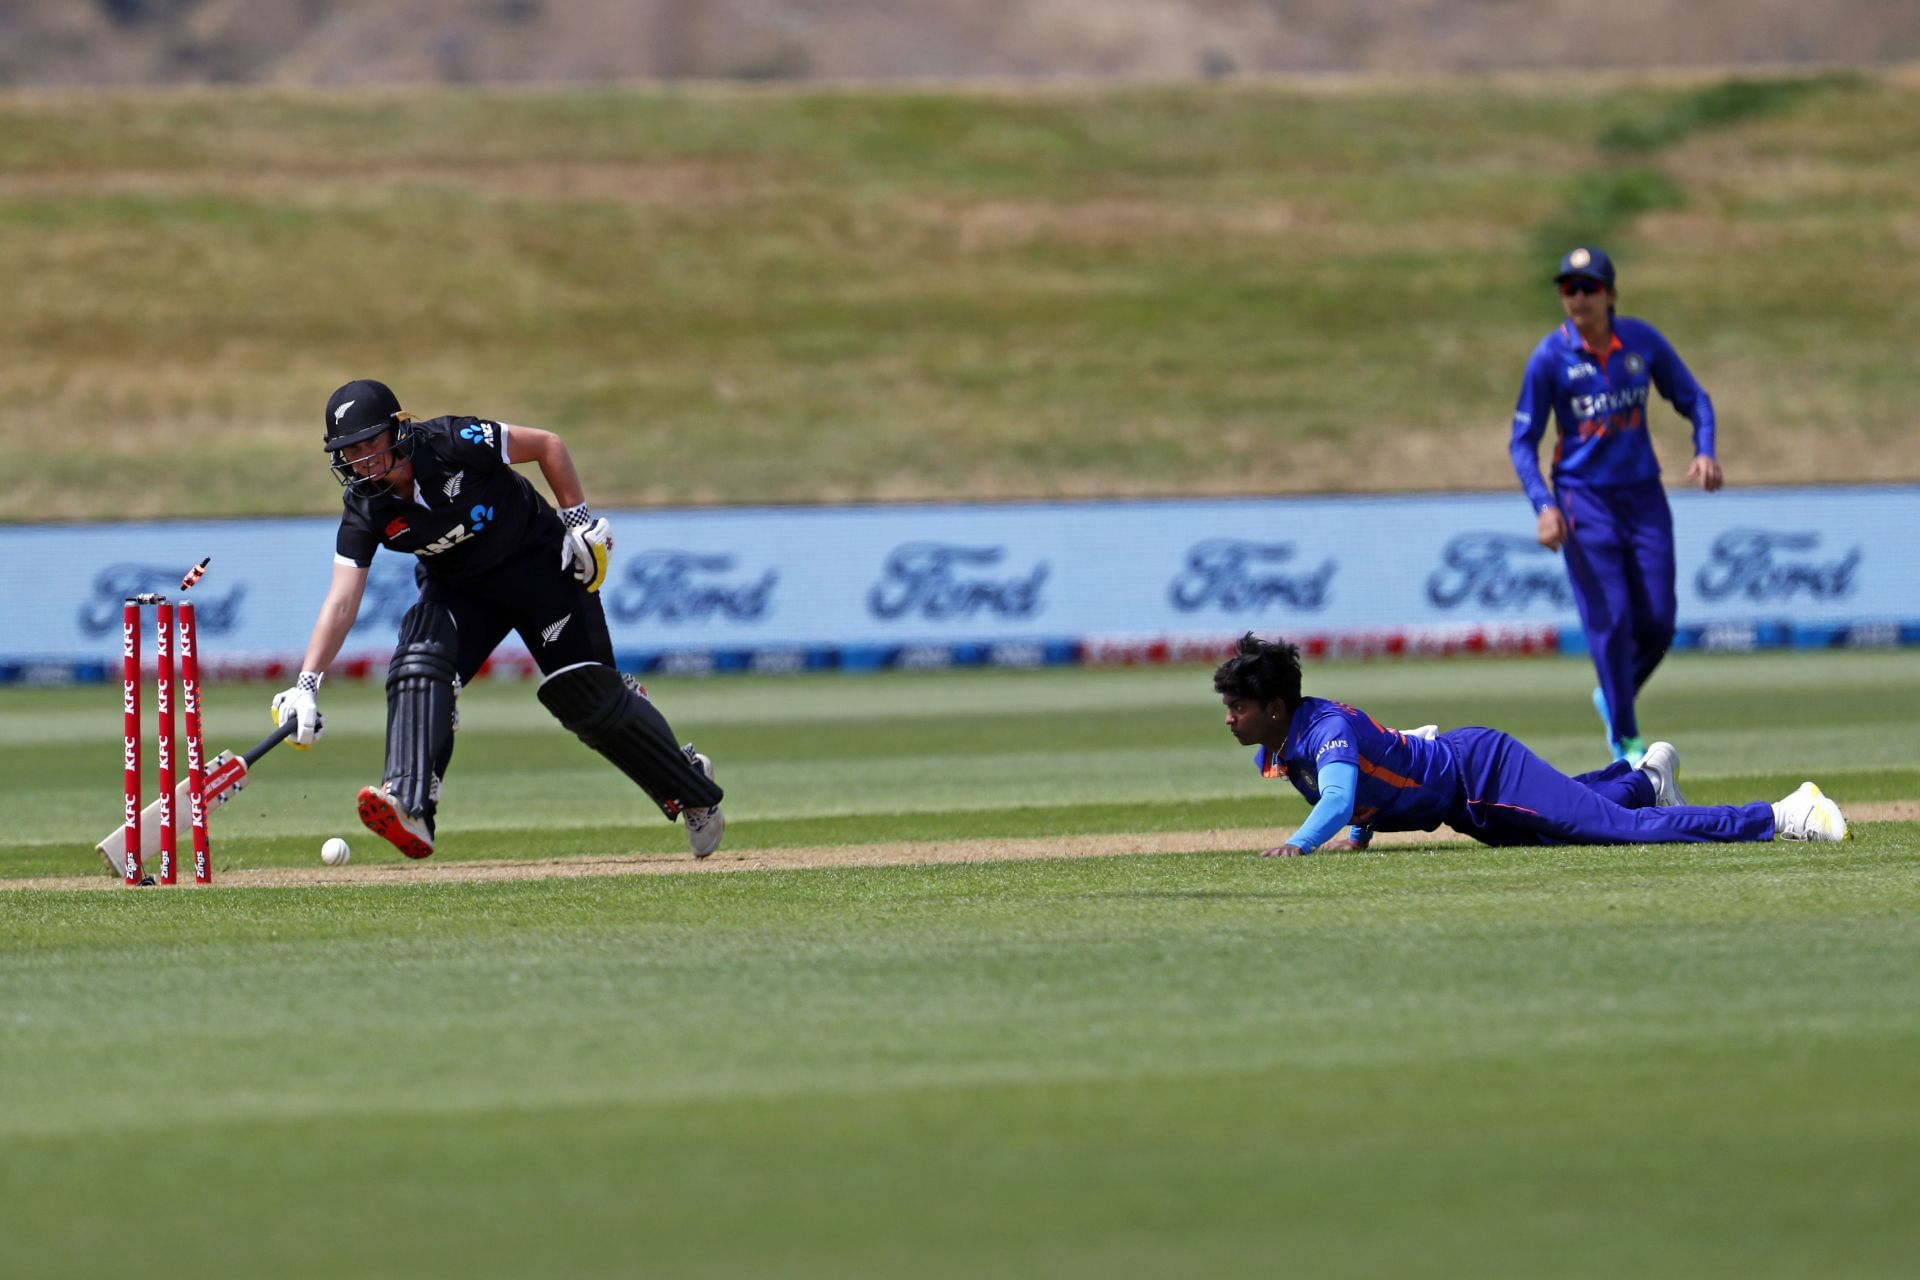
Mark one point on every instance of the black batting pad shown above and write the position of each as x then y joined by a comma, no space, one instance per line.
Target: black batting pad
420,692
598,705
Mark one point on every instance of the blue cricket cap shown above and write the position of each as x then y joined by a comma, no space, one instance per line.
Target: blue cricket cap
1594,264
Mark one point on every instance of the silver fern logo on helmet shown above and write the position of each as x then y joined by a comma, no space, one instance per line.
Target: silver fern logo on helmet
341,412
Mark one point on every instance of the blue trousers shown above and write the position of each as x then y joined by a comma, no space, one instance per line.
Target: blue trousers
1619,554
1511,796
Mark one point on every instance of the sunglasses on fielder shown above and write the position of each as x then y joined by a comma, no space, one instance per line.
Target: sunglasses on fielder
1580,286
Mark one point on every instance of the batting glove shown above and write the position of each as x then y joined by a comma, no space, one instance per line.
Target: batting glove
586,547
299,705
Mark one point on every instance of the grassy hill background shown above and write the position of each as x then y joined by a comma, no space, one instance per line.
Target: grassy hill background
331,43
737,296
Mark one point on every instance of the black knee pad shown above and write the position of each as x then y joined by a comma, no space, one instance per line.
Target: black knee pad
619,722
422,681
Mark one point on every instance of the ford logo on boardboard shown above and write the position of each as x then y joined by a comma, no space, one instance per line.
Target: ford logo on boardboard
393,585
1497,571
688,587
1238,576
218,612
1749,563
940,580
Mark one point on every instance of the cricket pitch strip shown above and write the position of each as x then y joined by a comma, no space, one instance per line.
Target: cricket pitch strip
896,854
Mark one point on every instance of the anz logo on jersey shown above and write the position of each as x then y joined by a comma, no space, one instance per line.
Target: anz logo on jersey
478,433
446,541
481,516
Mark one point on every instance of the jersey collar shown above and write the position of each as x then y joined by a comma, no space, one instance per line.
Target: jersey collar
1573,339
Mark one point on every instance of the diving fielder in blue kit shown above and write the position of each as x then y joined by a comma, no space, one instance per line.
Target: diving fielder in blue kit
1365,777
1608,510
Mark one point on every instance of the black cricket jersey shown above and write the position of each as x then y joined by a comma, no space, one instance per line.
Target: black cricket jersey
469,511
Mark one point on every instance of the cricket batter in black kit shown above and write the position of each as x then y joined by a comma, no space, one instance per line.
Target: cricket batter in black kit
494,557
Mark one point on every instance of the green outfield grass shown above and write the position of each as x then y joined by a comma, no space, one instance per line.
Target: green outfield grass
1416,1061
817,294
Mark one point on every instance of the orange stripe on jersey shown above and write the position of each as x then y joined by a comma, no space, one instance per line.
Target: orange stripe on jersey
1395,732
1385,775
1272,769
1362,816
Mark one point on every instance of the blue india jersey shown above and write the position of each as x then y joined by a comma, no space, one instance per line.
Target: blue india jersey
1406,784
1599,402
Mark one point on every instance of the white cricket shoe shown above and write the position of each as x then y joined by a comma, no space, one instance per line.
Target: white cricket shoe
1807,814
1662,765
1427,731
704,826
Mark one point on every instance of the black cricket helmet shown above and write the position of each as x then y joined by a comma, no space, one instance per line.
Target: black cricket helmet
359,411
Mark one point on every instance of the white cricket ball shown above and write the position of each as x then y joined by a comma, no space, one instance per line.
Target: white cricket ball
335,852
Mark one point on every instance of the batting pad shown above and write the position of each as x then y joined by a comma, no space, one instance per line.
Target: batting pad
420,706
596,703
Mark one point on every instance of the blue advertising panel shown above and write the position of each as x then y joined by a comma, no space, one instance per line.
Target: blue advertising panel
1030,582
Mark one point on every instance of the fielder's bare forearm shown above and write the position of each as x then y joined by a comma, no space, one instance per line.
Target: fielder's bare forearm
337,615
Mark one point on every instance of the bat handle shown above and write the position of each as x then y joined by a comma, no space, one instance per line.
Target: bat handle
272,740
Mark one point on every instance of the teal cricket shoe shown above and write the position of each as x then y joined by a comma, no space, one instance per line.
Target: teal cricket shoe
1632,750
1606,722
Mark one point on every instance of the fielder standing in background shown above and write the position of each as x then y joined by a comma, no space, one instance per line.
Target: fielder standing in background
1608,510
493,557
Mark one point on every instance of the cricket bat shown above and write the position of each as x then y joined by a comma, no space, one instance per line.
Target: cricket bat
226,775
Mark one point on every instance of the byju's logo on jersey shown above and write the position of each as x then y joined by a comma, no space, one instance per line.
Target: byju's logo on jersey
1762,565
1246,577
1497,571
478,433
940,580
1602,403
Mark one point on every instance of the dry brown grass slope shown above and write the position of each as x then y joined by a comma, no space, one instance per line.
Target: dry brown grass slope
353,42
933,294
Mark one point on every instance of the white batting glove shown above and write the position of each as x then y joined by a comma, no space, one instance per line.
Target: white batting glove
587,545
300,705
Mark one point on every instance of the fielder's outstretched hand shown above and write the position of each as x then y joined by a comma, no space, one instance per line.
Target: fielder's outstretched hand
587,546
300,704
